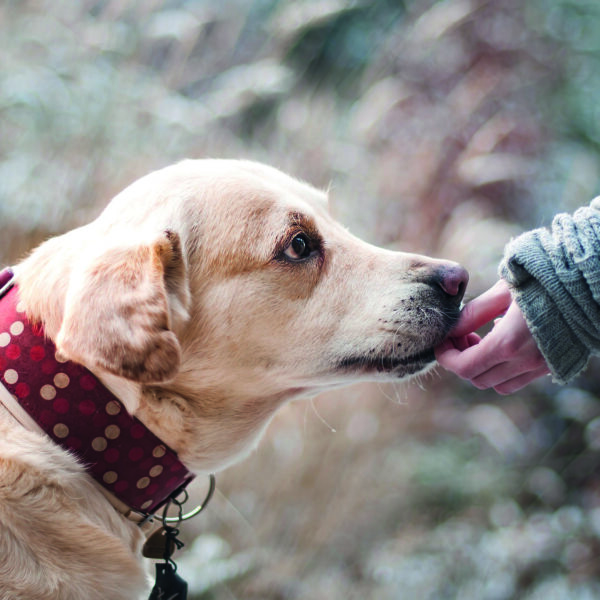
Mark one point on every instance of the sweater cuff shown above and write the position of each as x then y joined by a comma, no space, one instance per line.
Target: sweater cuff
564,353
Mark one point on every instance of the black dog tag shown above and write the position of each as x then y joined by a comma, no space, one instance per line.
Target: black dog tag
168,586
159,545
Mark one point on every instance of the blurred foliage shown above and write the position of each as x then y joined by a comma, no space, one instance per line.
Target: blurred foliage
443,127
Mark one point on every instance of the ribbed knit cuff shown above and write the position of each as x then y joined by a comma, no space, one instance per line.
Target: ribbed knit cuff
562,350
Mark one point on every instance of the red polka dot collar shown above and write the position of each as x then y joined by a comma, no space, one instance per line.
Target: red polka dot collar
73,407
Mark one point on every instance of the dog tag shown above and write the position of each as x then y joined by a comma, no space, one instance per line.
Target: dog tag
159,545
168,586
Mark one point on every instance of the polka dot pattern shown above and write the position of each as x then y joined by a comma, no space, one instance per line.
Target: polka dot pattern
112,432
16,328
60,430
81,415
61,380
113,408
47,392
159,451
11,376
110,477
99,444
156,470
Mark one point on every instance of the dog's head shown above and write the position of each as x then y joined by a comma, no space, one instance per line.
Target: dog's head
230,279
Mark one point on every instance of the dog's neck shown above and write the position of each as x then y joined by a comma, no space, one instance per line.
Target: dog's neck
77,412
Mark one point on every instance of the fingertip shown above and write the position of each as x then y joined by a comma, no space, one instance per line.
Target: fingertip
465,324
473,339
505,389
503,392
479,385
465,342
449,359
483,309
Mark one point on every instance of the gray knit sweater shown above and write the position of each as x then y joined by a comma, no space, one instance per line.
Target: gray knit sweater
555,278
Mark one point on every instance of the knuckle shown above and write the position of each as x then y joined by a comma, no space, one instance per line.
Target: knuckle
509,345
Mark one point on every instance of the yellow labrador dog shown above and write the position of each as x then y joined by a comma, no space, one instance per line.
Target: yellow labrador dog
205,296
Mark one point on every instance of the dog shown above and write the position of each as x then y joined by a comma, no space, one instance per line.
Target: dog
205,296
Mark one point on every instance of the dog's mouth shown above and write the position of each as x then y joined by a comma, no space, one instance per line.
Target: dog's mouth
397,365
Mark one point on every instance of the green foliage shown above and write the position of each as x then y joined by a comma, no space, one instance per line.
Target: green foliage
453,474
573,25
336,41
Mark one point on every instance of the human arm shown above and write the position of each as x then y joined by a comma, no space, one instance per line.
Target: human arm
551,289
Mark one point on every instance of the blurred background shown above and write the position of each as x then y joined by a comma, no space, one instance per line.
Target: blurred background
440,127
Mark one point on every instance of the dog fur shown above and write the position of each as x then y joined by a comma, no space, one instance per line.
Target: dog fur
189,299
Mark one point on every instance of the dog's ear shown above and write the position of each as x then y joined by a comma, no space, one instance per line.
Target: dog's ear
120,308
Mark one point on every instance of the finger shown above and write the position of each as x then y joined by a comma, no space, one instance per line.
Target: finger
461,343
469,363
483,309
466,341
514,385
507,371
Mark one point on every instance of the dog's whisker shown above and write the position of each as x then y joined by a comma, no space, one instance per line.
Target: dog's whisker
321,418
234,510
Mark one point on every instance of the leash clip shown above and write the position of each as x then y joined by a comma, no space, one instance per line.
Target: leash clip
165,541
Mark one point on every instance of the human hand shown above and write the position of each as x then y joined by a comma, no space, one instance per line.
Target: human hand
507,358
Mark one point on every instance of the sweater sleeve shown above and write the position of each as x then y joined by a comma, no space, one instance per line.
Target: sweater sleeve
555,279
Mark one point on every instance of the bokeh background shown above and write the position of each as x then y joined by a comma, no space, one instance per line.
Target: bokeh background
440,127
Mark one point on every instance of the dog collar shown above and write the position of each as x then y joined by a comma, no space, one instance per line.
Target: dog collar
70,404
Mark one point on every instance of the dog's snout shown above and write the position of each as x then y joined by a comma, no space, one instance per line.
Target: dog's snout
453,279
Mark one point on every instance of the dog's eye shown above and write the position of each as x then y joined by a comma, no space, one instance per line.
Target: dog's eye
300,248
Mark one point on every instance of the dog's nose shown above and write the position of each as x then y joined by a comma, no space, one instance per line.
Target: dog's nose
453,279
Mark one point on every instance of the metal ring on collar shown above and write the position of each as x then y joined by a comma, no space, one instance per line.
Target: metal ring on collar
9,282
197,510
